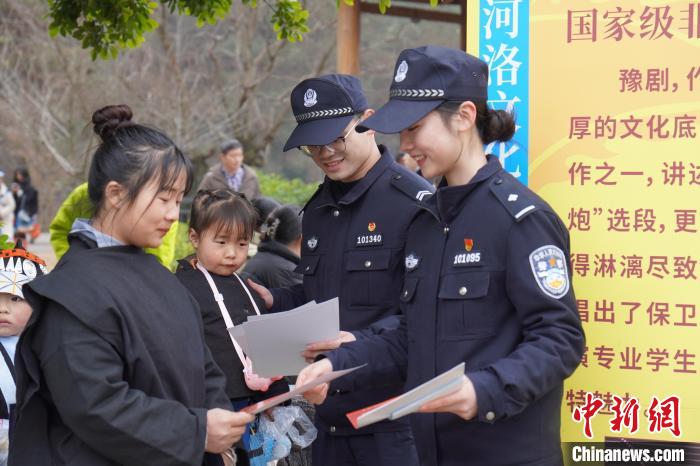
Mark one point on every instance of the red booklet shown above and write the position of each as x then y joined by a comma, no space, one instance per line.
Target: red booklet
444,384
353,415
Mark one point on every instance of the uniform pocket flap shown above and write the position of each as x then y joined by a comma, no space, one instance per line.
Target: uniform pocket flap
464,285
368,260
307,265
409,289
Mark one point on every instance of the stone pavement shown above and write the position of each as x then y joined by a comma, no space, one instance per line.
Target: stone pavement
42,248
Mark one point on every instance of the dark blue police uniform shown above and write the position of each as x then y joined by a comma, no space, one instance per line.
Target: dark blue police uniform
487,283
353,248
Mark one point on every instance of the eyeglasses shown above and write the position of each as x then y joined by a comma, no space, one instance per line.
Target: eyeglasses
336,146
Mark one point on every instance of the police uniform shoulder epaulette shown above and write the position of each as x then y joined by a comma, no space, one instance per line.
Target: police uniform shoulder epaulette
517,199
318,190
413,186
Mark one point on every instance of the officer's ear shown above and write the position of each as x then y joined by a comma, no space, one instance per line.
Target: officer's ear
466,114
366,114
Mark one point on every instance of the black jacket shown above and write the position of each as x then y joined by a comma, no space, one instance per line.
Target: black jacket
215,333
28,201
6,409
112,368
273,266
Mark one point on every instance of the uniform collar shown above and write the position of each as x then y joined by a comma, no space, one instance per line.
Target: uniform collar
448,200
325,195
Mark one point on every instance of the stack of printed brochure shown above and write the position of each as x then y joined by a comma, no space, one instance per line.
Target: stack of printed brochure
274,342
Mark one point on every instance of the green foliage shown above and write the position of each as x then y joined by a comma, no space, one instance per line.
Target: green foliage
104,26
289,20
286,191
383,4
108,26
5,242
206,12
183,247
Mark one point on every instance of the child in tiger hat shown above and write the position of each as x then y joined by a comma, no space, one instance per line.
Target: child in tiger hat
17,268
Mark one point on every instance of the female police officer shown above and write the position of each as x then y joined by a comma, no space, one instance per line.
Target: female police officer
486,279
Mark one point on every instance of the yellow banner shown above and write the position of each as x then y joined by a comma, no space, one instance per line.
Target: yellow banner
614,107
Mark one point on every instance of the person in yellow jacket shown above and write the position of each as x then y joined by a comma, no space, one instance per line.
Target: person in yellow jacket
78,205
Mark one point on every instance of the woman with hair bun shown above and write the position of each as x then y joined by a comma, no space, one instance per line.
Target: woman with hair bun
112,368
279,249
486,279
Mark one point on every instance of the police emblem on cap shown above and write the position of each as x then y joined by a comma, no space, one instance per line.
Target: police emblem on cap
412,262
310,98
312,243
548,265
401,71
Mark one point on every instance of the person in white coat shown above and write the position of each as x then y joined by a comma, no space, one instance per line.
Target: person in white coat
7,208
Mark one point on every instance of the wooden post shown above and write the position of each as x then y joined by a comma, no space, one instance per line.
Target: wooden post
463,26
348,38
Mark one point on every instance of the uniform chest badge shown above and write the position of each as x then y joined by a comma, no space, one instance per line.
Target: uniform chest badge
312,243
374,238
548,264
469,258
411,262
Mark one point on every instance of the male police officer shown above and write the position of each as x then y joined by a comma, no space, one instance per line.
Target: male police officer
353,247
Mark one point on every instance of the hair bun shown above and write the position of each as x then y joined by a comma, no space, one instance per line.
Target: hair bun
108,119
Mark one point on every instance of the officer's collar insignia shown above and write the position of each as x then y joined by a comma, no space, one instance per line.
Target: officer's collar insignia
548,264
401,71
512,198
412,262
468,244
371,227
312,243
310,98
421,194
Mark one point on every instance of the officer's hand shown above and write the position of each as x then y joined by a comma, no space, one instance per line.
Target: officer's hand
263,292
316,395
314,349
462,402
224,428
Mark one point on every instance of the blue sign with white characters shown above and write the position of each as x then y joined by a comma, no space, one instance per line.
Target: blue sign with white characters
505,45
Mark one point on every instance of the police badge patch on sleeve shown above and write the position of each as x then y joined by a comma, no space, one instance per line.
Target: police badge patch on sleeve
548,264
